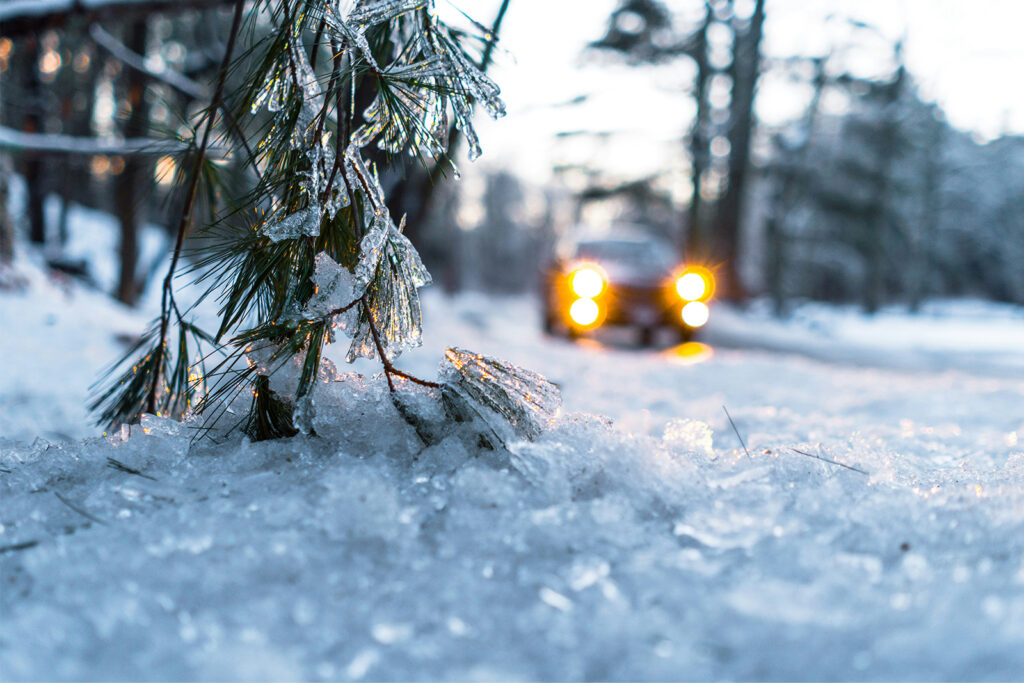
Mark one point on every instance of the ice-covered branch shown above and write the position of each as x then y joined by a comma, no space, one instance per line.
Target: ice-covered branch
48,143
136,61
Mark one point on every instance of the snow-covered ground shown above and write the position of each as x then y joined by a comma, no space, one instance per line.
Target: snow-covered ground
637,539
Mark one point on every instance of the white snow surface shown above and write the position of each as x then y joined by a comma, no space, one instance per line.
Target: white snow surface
634,540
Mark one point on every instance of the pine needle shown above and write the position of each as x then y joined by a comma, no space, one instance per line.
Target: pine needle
831,462
121,467
14,547
742,443
79,510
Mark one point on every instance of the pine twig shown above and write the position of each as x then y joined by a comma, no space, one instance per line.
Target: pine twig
190,196
390,369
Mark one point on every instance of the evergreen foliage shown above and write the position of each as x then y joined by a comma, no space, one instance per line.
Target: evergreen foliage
310,249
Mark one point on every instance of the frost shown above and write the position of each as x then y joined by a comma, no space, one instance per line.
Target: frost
524,399
303,223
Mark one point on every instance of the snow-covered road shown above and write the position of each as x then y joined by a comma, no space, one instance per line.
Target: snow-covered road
645,544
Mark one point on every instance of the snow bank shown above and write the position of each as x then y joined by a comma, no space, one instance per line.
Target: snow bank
589,553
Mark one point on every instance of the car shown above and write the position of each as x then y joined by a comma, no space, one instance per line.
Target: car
625,280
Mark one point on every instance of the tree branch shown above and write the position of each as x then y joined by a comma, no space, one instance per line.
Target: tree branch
136,61
45,143
19,17
190,195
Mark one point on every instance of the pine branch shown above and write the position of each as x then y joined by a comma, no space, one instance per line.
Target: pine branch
190,195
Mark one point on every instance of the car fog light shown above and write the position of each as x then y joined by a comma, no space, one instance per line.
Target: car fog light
587,282
695,313
584,311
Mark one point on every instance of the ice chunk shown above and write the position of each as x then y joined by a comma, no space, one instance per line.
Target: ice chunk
302,223
526,400
335,287
689,435
366,14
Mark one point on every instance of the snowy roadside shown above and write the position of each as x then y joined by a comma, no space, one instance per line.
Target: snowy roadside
643,545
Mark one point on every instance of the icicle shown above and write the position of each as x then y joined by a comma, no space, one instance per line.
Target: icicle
392,293
366,14
362,180
305,222
304,412
524,399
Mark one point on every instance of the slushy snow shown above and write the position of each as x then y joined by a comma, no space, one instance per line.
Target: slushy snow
634,538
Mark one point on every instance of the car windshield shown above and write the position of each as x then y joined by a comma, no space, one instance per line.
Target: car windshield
633,253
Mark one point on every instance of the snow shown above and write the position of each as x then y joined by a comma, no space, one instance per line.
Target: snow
634,539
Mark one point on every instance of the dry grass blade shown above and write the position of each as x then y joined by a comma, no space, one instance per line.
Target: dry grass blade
831,462
738,436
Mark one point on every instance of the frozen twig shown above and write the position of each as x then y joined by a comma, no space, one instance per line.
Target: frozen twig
390,369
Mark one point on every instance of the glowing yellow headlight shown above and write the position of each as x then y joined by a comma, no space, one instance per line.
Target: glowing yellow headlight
584,311
691,286
695,313
587,282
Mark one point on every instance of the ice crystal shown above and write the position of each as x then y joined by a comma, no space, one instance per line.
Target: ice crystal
305,222
526,400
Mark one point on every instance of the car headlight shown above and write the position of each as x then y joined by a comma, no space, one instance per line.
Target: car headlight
584,311
695,284
695,313
587,282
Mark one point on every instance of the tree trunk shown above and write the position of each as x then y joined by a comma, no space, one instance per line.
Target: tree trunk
6,223
33,167
132,185
745,69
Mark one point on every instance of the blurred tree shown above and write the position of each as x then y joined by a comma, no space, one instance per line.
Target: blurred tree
643,32
137,177
743,70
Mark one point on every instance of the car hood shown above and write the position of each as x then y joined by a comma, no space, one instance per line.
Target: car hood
631,274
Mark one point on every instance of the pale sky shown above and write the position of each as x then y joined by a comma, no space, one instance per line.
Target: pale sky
968,55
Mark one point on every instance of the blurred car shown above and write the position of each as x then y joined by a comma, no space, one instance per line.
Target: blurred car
634,281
